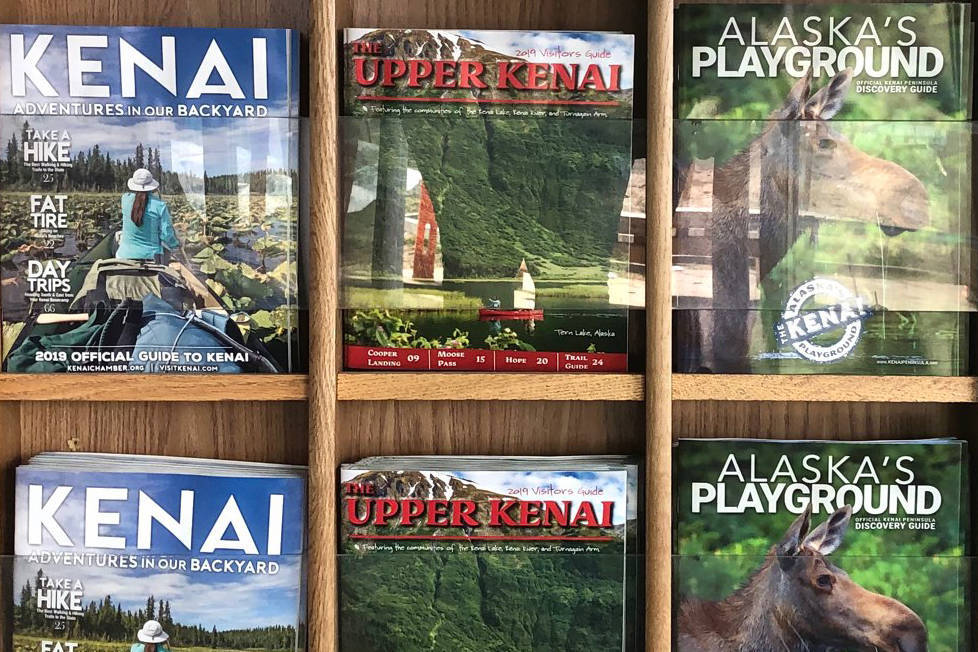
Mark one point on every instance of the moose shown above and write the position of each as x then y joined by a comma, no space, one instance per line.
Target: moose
805,166
799,601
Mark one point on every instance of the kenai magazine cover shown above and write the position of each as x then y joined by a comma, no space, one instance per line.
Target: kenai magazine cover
149,199
111,561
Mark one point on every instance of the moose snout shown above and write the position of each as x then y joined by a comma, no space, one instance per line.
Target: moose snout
911,634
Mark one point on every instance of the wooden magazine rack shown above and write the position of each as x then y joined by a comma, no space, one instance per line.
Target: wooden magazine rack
330,417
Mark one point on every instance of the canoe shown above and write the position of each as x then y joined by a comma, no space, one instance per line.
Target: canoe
492,314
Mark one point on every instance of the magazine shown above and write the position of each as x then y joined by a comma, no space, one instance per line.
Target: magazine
907,61
459,553
823,189
484,181
116,552
867,540
148,199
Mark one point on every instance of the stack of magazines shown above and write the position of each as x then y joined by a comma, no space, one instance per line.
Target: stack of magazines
823,189
122,549
478,553
487,183
842,545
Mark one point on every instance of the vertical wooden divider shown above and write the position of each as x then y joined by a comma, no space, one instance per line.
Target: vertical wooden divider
322,585
658,301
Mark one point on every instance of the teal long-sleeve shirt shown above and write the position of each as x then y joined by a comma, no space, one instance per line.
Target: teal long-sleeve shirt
156,232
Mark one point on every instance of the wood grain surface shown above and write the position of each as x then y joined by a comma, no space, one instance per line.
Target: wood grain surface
358,386
800,420
488,428
612,420
902,389
323,337
658,454
152,387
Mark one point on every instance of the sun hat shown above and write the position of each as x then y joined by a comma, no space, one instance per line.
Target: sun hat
142,181
152,632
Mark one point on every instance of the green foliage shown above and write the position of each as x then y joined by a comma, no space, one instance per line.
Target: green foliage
241,244
507,340
475,602
507,189
106,627
383,328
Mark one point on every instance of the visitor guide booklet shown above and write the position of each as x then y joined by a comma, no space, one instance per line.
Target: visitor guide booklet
485,183
823,189
869,542
459,553
148,199
113,551
907,61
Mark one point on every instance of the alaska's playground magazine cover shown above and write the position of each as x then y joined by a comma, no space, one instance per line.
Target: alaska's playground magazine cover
117,552
485,177
822,545
823,166
483,553
149,199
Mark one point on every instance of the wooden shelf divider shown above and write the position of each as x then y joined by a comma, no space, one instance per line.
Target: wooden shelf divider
658,329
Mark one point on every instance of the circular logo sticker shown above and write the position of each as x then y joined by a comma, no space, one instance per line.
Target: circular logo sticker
803,321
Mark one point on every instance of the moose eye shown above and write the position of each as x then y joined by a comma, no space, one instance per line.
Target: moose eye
824,581
826,143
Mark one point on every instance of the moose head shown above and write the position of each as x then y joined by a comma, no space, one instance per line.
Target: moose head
805,169
798,600
826,605
834,178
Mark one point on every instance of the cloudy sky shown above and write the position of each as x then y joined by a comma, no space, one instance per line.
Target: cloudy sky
187,145
195,599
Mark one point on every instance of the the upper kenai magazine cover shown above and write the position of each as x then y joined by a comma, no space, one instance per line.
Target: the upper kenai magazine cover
906,61
484,182
148,195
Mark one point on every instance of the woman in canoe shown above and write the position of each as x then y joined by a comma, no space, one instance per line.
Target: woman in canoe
147,227
152,638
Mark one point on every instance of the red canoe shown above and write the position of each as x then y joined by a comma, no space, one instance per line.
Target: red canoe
491,314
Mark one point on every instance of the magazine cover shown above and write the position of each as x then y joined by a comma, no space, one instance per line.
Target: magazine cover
821,545
488,558
823,200
485,176
186,560
148,198
908,61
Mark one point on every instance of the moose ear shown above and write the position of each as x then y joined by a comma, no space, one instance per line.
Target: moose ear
791,541
797,97
827,537
824,104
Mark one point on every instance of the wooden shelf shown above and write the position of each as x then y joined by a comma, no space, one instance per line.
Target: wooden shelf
428,386
153,387
356,386
882,389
